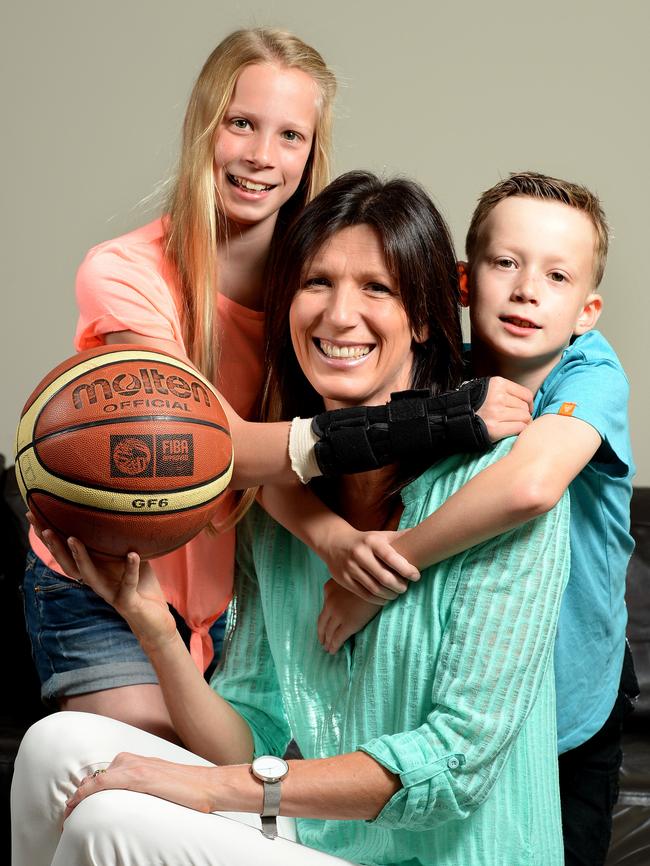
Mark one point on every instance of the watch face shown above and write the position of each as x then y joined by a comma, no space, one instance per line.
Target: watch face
268,768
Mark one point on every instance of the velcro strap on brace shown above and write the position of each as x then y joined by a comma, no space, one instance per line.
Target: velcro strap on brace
464,429
408,421
344,446
413,426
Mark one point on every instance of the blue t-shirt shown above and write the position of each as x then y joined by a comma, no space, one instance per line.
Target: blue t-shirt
589,383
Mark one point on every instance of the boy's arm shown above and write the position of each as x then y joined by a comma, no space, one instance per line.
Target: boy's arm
365,563
527,482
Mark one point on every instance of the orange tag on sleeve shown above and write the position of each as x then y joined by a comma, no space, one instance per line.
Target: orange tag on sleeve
567,408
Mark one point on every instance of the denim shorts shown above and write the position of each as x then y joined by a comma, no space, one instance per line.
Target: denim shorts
79,643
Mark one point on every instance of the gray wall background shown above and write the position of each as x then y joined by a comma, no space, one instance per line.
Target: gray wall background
455,94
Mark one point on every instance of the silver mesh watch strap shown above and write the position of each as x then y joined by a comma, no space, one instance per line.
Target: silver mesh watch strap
271,808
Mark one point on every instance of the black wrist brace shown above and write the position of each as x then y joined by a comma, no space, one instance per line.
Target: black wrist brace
413,426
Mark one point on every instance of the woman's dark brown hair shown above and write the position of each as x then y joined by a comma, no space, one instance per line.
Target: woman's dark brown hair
420,257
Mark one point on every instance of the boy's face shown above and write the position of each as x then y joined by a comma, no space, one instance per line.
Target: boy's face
531,283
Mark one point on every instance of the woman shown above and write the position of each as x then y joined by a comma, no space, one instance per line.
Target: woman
256,145
431,739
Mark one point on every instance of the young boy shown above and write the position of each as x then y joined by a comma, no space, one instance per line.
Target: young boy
536,251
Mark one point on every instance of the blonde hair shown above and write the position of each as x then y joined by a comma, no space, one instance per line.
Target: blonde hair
196,221
541,186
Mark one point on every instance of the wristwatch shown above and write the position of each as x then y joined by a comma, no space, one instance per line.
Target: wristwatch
270,771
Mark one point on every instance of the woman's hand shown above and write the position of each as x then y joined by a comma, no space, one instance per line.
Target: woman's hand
128,585
184,784
507,408
343,615
367,565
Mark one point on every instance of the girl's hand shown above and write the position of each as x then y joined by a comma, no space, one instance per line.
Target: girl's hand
184,784
343,615
128,585
366,564
507,408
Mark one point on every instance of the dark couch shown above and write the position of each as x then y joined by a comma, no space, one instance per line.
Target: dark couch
21,705
630,844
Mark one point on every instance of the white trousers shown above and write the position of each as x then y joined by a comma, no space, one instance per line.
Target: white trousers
124,828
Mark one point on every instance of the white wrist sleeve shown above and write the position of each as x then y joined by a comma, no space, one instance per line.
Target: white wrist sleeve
301,449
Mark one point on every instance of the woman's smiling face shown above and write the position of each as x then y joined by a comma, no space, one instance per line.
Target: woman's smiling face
349,328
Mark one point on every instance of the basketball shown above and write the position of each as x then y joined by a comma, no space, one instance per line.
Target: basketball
125,448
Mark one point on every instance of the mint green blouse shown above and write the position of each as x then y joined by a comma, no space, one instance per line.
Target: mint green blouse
450,686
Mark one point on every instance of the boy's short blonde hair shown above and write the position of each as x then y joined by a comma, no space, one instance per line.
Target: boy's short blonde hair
541,186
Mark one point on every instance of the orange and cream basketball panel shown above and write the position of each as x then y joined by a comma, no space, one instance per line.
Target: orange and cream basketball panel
114,439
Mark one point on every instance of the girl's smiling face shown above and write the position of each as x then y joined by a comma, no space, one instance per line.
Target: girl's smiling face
264,141
349,328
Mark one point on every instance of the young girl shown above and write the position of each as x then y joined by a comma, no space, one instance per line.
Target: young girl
256,145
